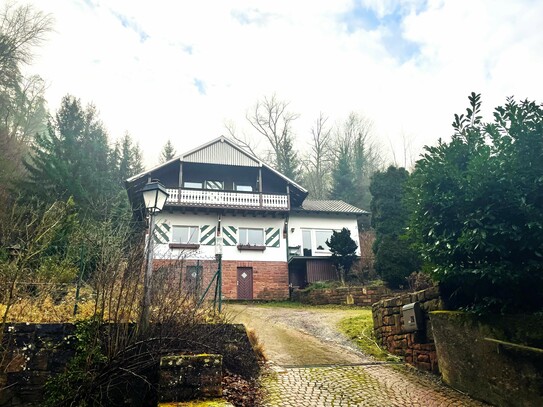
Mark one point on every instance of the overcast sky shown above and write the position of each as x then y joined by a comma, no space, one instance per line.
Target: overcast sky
178,70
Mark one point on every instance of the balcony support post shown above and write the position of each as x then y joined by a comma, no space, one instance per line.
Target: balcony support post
180,174
288,197
260,186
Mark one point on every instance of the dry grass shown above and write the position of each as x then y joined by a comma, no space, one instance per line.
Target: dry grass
258,347
47,307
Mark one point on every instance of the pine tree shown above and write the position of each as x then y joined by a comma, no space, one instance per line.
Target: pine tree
126,159
394,257
70,159
168,152
343,186
287,160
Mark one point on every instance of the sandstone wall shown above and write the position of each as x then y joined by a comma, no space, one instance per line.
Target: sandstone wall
418,348
35,352
363,296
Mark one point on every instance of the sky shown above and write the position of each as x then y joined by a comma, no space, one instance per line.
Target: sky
178,70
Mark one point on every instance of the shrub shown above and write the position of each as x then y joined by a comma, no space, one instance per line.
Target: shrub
478,209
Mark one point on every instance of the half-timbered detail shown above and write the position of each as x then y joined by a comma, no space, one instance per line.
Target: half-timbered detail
225,202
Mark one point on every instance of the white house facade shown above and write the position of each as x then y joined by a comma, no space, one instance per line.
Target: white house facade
226,204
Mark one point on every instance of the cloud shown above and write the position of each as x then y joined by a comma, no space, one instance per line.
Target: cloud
177,70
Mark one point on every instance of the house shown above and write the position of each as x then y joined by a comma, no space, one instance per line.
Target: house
224,201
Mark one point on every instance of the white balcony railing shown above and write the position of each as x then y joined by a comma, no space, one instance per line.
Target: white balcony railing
195,197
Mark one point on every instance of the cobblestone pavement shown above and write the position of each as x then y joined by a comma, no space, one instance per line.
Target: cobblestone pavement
368,385
296,339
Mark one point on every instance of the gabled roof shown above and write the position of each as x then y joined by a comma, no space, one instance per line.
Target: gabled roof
219,151
329,206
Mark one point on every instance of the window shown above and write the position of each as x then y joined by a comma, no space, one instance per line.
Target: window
194,185
321,236
215,185
307,242
244,188
251,237
185,234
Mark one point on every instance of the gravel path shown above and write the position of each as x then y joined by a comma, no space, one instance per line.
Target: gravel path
316,365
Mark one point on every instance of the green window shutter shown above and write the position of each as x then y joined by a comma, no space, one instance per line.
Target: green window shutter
230,235
272,237
161,233
207,235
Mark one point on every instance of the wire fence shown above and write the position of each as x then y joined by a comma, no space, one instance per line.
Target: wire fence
177,286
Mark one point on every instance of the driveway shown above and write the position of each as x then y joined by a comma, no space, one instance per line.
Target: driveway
315,365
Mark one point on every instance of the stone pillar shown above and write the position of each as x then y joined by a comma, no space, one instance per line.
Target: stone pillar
188,377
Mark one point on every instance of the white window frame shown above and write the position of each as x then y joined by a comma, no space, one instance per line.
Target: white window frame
195,185
193,235
325,248
243,188
246,242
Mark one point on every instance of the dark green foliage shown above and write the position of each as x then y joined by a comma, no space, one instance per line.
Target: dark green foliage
478,209
126,159
168,152
389,214
75,385
395,260
343,183
287,160
343,249
71,159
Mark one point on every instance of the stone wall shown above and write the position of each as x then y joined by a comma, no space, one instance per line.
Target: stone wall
417,348
498,358
35,352
363,296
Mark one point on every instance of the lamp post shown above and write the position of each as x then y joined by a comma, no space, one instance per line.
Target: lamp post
154,196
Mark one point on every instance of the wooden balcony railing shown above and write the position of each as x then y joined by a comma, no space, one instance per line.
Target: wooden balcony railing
208,198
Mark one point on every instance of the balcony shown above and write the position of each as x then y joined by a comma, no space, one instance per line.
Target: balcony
227,199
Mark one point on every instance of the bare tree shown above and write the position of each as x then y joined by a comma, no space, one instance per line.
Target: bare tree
270,118
354,141
407,152
22,29
318,160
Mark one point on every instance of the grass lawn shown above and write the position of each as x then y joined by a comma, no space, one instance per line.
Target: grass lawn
360,330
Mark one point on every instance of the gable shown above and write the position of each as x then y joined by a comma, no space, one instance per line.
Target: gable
220,151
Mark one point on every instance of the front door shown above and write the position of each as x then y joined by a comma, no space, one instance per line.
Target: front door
245,283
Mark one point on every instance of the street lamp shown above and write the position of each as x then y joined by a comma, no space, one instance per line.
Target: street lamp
154,196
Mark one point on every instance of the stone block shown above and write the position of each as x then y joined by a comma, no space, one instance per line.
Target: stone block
186,377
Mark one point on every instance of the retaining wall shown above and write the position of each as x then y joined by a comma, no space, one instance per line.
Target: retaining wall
498,359
363,296
417,348
35,352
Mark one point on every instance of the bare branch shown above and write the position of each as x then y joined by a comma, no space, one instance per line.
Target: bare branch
243,141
